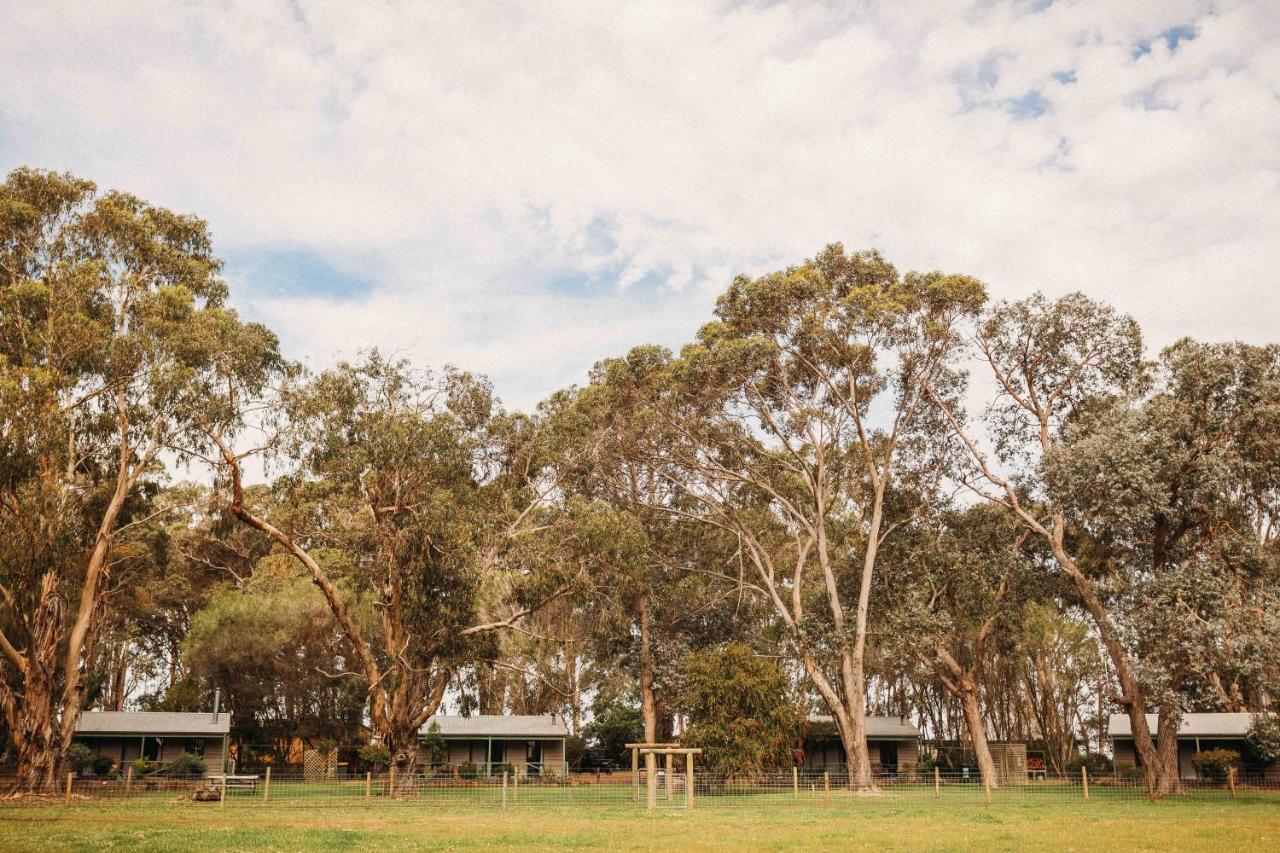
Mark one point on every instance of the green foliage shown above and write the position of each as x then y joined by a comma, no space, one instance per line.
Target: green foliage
1095,762
102,764
375,755
1215,763
433,742
185,765
468,770
79,757
614,724
740,711
1263,741
142,767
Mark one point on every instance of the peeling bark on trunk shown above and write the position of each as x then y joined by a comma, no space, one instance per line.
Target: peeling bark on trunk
978,734
1168,780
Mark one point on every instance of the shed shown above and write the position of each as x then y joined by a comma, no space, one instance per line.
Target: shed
532,744
1196,733
159,736
892,742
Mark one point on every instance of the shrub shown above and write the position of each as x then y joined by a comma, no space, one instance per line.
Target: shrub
375,755
1262,743
433,742
102,764
468,770
185,765
143,766
1095,762
79,757
1214,763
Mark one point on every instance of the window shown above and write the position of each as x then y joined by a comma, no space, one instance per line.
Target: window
195,747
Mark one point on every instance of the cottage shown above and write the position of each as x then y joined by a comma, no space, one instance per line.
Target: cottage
892,742
1197,732
158,736
532,745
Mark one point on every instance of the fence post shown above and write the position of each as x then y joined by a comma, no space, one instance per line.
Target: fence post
1084,780
515,786
795,783
222,798
504,789
688,791
266,785
651,780
70,776
635,774
937,783
671,766
368,786
826,786
128,780
1231,781
392,790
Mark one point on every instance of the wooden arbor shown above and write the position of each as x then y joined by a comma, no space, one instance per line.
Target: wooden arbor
651,751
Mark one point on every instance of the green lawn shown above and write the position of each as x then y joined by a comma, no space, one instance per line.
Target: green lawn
769,823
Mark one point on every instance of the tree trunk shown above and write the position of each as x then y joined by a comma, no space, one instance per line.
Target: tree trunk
1169,780
1132,696
854,734
401,740
37,740
648,708
978,734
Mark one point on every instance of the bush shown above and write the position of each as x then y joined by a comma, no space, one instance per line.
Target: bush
143,766
1095,762
375,755
1215,763
102,764
185,765
468,770
1262,743
79,757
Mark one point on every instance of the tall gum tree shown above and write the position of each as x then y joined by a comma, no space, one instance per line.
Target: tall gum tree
114,339
1168,489
793,418
1048,359
437,499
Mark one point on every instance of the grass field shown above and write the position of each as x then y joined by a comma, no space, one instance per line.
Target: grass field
1249,823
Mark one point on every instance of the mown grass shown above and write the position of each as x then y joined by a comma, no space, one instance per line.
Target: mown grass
1251,822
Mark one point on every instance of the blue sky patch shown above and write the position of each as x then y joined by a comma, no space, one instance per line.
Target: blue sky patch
1173,37
293,272
1031,105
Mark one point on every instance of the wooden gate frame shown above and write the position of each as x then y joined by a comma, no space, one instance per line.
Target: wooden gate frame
651,751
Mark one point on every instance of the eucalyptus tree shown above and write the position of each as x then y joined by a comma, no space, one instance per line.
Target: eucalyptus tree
958,585
1177,492
114,337
1050,361
797,422
437,500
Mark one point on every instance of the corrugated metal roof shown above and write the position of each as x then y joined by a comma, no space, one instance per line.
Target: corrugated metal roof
883,727
499,725
153,723
1193,725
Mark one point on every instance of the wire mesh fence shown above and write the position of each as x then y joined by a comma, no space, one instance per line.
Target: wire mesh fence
291,787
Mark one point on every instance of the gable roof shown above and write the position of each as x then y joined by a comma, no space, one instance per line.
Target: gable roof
1193,725
877,727
153,723
499,725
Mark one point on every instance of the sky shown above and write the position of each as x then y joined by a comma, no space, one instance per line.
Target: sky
524,188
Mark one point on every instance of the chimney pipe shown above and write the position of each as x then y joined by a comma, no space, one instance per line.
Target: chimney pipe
217,700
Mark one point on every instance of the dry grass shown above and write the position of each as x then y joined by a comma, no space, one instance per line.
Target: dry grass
1250,823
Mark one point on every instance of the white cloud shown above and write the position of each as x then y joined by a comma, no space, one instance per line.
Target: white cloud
469,159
